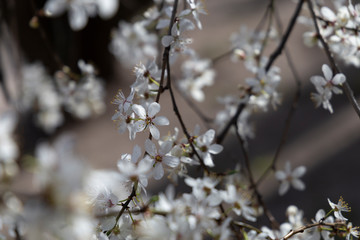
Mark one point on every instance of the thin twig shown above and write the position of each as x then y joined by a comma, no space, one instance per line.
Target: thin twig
58,62
290,113
284,39
346,87
273,57
253,185
318,224
195,108
269,10
124,207
178,115
166,53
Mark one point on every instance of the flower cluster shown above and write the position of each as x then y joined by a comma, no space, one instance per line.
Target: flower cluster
325,87
67,199
80,10
340,29
82,97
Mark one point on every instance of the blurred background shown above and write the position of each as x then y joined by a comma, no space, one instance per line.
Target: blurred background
327,144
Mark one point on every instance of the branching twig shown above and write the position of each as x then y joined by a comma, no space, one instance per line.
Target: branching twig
124,207
273,57
347,89
284,39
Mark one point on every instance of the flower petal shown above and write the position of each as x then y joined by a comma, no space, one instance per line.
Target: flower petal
154,132
158,171
327,72
139,110
339,79
298,172
161,121
171,161
136,154
284,187
139,126
165,147
150,148
280,175
298,184
215,148
153,109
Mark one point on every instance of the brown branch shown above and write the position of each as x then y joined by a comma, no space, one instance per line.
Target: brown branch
281,46
346,87
124,207
318,224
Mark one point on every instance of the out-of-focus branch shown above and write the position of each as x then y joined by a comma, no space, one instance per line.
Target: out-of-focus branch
291,111
253,186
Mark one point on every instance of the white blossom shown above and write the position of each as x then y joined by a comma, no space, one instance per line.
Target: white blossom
290,177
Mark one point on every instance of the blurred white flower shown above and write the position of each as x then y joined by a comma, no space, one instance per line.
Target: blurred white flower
80,10
290,177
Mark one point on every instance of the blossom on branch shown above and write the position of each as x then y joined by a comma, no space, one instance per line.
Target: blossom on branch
341,206
290,177
148,119
325,86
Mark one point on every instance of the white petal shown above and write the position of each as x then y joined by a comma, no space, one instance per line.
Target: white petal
280,175
298,184
165,147
319,215
167,40
139,110
339,79
150,148
107,8
136,154
327,72
298,172
143,180
215,148
158,171
153,109
139,126
214,199
208,160
171,161
77,17
288,168
328,14
190,181
161,121
54,8
154,132
209,136
318,81
284,187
